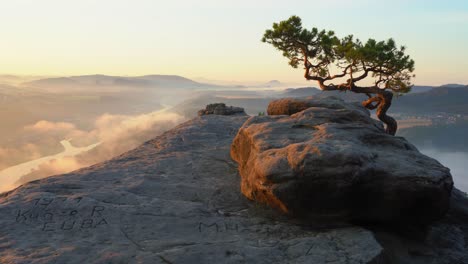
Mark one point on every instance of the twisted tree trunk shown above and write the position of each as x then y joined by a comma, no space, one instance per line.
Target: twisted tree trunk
382,101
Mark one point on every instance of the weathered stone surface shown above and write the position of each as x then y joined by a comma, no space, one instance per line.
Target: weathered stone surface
333,161
221,109
290,106
175,199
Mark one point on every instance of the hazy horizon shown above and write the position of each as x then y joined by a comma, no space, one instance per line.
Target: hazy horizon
229,82
217,40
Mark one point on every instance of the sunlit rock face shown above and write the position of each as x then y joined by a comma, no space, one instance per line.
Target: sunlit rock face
289,106
333,161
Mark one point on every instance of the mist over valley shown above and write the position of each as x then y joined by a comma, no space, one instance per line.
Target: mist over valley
120,113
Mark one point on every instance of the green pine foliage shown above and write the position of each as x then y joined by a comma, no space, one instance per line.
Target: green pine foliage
321,52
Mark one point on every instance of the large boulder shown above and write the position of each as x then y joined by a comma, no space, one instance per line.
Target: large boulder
333,161
289,106
221,109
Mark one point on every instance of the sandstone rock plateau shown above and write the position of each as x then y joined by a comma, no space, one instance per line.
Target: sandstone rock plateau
176,199
331,160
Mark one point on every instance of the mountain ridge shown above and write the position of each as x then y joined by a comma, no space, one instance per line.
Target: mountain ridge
144,81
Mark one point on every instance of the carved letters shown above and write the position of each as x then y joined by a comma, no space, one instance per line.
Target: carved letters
67,214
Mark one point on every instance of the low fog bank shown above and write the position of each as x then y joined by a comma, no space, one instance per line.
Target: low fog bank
102,110
115,133
37,114
11,175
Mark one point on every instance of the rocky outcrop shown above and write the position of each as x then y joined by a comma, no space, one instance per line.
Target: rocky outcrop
287,106
175,199
290,106
221,109
332,161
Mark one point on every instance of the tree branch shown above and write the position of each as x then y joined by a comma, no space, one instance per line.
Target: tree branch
369,103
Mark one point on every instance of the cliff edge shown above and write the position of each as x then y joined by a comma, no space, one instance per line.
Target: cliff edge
177,199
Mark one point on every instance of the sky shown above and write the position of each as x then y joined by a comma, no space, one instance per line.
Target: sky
218,39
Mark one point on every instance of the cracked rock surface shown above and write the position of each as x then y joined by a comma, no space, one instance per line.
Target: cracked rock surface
175,199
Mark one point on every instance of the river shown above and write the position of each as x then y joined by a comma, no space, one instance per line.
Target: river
10,175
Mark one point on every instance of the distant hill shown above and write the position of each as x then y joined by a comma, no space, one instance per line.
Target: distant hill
450,98
426,88
301,92
273,83
11,94
454,85
312,91
173,81
105,81
9,79
59,81
421,89
447,99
